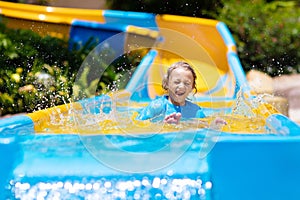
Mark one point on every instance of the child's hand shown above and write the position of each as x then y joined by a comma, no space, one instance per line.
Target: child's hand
217,123
173,118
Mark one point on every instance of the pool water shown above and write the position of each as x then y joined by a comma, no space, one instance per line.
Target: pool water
62,167
94,153
107,114
113,188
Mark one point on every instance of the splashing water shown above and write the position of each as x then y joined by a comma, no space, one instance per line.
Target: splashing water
114,113
249,114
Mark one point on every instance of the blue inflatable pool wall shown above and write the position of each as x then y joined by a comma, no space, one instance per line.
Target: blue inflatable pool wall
174,165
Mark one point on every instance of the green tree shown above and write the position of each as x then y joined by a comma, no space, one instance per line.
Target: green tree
267,34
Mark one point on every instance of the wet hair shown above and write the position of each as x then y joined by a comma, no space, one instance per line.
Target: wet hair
177,65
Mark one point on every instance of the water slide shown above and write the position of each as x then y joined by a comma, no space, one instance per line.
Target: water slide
241,164
217,65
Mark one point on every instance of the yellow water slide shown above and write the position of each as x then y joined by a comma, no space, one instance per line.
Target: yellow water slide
199,42
45,20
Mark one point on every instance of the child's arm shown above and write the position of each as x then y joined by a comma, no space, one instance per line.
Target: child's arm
217,123
154,109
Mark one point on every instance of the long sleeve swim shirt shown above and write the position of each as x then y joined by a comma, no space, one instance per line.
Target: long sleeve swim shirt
161,107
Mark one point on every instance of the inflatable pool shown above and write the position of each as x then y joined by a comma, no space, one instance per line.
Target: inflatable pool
93,148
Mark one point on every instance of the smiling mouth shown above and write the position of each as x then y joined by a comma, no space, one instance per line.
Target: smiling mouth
180,93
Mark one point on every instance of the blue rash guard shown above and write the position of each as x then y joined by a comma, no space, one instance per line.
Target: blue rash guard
161,107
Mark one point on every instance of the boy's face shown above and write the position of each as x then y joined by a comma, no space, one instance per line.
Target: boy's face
180,85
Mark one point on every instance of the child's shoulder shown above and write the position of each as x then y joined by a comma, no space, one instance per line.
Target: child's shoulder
159,100
163,98
188,103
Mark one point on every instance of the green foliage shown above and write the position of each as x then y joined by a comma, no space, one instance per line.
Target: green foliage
267,34
39,72
36,72
194,8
